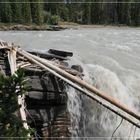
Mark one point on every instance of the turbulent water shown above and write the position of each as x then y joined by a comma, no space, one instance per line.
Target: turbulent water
110,58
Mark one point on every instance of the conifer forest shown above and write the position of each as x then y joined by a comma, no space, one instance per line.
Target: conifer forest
114,12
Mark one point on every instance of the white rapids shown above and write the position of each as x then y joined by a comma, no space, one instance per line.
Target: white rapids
110,58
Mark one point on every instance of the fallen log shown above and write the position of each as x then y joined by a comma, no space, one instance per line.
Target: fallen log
1,71
23,64
48,55
60,53
12,61
72,80
55,100
69,70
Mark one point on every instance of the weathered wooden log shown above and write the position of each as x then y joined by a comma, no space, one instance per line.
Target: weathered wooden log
70,79
48,55
1,58
4,47
21,58
31,71
60,53
12,61
23,64
75,70
1,71
69,70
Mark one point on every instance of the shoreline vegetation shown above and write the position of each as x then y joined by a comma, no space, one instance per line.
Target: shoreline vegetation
46,15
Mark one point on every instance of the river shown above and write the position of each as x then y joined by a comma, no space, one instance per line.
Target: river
111,61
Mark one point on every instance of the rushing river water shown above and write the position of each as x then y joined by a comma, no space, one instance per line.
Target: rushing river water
111,61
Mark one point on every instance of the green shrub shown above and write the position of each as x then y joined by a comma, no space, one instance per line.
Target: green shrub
51,19
10,88
54,20
47,17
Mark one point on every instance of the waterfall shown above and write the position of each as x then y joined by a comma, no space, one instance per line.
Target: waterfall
90,119
111,59
74,107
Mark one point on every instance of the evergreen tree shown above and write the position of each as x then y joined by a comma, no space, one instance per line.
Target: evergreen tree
16,11
127,12
87,12
95,12
102,9
5,12
37,11
10,122
62,10
137,18
71,11
135,13
52,7
124,12
106,14
112,15
26,12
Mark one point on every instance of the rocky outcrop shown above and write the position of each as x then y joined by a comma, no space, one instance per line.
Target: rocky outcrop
47,105
46,100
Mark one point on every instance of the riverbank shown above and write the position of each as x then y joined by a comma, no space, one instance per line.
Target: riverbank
20,27
76,25
59,27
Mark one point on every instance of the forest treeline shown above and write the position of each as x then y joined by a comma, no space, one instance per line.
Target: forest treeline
86,12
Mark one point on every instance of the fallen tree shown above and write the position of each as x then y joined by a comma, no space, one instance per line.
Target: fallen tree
84,87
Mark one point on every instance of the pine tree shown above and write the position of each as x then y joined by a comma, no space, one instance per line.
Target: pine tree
135,13
87,12
71,12
101,7
62,10
52,7
5,12
95,12
10,122
106,7
26,12
112,15
124,12
127,13
137,18
16,11
37,11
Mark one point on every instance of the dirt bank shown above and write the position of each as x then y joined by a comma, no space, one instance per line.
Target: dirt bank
19,27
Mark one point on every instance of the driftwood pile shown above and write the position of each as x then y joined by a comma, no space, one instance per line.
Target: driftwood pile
45,105
47,100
